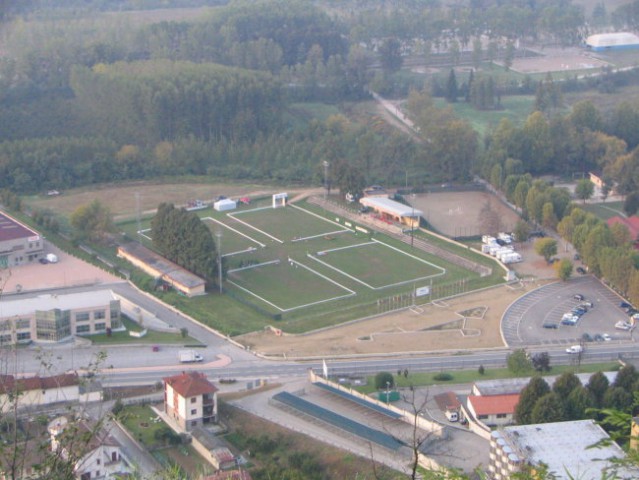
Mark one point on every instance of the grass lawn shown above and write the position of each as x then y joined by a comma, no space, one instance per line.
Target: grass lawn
287,223
378,264
469,376
604,210
152,337
287,286
139,421
514,108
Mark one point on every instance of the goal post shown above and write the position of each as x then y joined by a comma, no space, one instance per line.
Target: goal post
279,200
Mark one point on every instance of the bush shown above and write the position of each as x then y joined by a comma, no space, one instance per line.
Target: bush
481,370
384,380
443,377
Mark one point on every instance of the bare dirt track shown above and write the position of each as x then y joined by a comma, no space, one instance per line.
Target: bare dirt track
458,214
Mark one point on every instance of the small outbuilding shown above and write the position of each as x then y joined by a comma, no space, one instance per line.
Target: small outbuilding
602,42
390,210
225,204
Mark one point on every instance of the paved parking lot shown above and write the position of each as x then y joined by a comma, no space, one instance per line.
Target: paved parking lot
522,323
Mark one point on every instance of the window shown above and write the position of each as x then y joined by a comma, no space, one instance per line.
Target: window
194,423
100,326
85,476
98,315
83,329
194,411
23,323
97,461
193,399
24,336
501,415
82,316
5,338
482,417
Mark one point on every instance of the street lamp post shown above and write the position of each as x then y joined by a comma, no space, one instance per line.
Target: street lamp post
219,259
387,391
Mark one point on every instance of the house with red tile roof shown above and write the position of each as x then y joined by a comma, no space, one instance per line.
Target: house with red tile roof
492,410
631,223
37,391
190,400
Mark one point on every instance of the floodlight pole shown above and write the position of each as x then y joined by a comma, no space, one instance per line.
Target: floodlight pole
219,259
387,393
326,164
412,218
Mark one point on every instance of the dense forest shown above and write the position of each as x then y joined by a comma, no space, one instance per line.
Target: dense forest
94,98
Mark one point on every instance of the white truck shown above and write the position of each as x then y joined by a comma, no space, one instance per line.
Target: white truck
52,258
189,356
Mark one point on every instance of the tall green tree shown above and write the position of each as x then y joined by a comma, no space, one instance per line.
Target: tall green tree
390,55
518,362
547,409
584,189
546,247
597,386
452,90
92,222
536,389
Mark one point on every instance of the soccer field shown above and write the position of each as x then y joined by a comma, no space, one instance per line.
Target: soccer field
308,268
377,265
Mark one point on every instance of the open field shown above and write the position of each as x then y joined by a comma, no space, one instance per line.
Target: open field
458,214
123,199
604,210
514,108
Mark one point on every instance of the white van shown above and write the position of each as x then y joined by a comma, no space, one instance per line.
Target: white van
575,349
452,415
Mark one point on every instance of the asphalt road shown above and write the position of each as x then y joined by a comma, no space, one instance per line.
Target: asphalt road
137,364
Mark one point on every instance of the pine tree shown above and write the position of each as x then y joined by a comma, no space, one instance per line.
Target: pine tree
452,90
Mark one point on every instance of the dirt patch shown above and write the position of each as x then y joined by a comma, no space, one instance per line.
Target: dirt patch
458,214
403,332
558,60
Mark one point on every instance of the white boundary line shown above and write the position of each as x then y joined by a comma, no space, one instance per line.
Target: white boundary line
230,215
234,230
321,252
442,269
321,235
141,232
373,241
322,218
285,310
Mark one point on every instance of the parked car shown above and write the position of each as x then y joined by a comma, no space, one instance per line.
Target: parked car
625,305
598,338
550,325
575,349
586,337
606,337
43,261
579,311
578,296
581,271
621,325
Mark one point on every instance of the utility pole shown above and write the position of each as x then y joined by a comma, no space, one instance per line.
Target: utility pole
219,259
137,211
